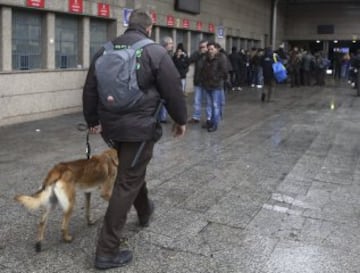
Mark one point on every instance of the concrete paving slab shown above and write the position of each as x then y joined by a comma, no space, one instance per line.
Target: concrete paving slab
274,190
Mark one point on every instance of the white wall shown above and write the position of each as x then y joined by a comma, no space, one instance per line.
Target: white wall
28,96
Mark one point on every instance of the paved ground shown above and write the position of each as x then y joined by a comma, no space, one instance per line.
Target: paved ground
275,190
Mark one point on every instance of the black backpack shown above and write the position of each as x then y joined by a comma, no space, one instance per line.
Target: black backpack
115,71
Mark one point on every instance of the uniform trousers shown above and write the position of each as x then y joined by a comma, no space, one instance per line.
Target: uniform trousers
129,189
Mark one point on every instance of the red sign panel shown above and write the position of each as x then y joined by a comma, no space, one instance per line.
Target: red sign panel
186,23
199,25
170,20
153,17
35,3
76,6
211,27
103,10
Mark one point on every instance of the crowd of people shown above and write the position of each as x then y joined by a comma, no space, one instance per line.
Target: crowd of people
216,72
254,68
303,67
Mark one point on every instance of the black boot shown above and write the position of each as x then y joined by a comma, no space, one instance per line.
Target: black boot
123,257
211,129
207,124
144,220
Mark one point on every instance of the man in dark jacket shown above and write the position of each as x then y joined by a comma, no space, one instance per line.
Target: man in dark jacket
266,62
212,76
158,78
235,60
198,58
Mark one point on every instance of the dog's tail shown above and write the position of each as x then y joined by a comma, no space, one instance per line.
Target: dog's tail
44,196
33,202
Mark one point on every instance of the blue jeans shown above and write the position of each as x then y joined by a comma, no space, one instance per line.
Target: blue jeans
163,114
199,95
222,104
257,76
214,98
183,84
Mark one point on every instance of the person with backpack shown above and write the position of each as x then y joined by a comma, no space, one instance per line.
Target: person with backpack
127,117
267,62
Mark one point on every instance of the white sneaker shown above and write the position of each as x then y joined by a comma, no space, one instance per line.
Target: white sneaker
259,86
253,85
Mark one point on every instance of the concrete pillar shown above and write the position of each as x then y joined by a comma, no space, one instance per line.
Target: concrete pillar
173,35
157,33
326,47
274,24
6,38
49,41
188,44
84,46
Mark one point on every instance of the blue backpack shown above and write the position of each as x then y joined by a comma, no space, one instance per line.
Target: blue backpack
115,71
279,70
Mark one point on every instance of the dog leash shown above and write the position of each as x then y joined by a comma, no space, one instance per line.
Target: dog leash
88,147
82,127
142,145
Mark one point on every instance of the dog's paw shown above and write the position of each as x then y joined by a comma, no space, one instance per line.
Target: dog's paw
68,239
38,246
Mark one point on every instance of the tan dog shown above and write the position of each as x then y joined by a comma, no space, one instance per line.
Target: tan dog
60,187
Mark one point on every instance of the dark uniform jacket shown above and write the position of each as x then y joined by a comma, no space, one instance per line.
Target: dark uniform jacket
157,78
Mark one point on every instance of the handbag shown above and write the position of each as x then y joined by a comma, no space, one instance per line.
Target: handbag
279,70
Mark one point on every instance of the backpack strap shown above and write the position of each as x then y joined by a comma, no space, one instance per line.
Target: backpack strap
109,46
139,44
275,57
142,43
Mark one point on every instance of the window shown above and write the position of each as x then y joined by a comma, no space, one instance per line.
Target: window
164,32
190,6
209,37
26,40
229,45
195,40
66,41
153,33
98,36
236,42
181,37
243,43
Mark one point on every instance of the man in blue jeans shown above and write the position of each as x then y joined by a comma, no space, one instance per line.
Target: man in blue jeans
198,58
212,76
